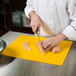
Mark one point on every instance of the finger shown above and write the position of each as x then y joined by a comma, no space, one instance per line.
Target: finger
34,28
49,47
39,28
48,44
45,42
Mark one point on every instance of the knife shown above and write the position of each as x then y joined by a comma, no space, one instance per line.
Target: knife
37,32
40,43
38,36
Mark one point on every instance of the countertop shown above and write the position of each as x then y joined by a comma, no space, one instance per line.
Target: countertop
21,67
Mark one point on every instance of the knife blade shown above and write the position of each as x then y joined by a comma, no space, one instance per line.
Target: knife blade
38,36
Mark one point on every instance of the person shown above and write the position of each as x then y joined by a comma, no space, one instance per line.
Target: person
55,18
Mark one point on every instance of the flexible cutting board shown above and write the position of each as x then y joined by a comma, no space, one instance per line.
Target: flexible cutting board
16,49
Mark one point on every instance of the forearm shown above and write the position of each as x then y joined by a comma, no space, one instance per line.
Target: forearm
61,37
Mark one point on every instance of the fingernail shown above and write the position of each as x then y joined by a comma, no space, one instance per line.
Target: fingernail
29,49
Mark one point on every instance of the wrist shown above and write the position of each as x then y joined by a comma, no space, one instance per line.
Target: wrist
61,36
32,14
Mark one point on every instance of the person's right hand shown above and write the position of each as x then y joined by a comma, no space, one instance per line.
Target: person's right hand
35,22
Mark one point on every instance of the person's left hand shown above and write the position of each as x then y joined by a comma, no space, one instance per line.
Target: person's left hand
49,43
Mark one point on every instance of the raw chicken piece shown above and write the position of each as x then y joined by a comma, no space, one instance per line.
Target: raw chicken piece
56,49
39,44
26,46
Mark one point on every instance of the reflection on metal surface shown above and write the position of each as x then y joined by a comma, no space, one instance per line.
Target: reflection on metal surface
2,45
4,60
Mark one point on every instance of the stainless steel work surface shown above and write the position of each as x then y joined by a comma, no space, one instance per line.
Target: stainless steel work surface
20,67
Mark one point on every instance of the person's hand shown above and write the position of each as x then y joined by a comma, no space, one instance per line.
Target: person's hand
35,22
49,43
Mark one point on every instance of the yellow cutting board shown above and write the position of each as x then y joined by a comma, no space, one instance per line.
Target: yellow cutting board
16,49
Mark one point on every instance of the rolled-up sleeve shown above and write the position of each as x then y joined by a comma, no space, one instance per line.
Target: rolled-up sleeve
28,8
70,30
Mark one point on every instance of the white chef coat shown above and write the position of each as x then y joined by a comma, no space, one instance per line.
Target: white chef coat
57,16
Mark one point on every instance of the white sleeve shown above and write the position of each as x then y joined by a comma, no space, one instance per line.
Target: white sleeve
70,30
28,8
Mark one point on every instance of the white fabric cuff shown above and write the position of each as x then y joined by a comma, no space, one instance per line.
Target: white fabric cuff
70,33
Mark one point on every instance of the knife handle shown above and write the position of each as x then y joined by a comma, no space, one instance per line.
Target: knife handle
36,30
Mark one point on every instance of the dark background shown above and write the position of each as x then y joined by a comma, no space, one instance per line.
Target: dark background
6,9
